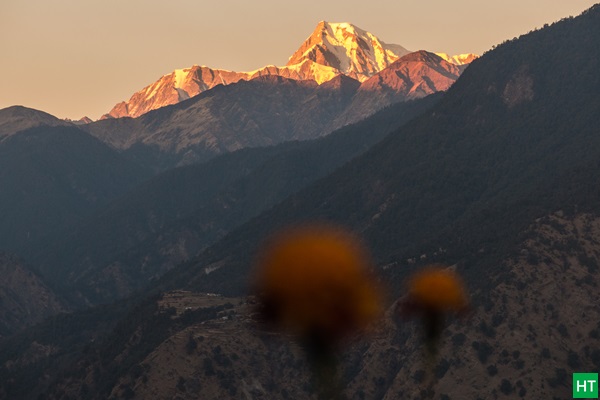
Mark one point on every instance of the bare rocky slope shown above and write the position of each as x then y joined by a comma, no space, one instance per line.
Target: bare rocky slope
496,180
532,325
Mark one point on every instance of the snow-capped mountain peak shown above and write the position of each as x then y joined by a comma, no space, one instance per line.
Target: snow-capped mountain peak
459,59
346,47
332,49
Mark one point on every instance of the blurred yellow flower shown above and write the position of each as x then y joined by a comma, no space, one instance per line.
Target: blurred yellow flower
438,288
314,281
432,293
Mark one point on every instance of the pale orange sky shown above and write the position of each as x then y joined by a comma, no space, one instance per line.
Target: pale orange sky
72,58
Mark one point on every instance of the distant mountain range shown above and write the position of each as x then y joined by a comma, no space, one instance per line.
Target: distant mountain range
339,75
172,217
332,49
506,133
497,179
268,110
66,173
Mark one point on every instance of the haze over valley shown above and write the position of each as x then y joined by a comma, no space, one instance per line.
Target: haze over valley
268,234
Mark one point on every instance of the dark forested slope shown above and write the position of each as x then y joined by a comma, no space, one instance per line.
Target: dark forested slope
178,213
52,177
476,169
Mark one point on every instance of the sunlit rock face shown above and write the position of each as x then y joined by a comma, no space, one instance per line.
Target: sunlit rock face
353,51
415,75
459,59
332,49
412,76
172,88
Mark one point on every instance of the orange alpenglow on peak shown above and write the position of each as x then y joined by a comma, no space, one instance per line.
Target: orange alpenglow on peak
459,59
355,52
332,49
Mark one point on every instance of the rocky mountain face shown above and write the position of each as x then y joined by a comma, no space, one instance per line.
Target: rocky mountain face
26,299
503,135
332,49
459,59
268,110
412,76
494,180
534,321
172,88
488,181
184,83
265,111
352,51
81,121
415,75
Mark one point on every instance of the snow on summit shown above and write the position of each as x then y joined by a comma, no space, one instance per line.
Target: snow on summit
459,59
346,47
332,49
350,39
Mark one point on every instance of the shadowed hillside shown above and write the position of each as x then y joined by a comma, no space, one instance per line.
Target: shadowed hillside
498,180
174,216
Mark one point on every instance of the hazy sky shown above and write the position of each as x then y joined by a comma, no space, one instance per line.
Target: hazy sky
80,57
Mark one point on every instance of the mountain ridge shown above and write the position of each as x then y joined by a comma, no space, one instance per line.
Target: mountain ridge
51,176
19,118
332,49
475,125
494,180
347,48
267,110
176,214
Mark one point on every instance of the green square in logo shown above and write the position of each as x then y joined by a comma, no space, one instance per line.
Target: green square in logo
585,386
